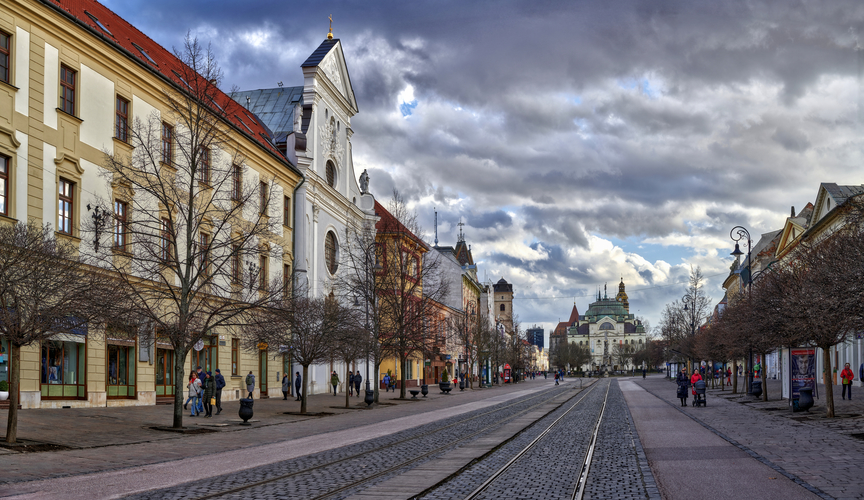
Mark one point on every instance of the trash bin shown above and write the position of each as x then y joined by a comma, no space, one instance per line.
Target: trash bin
756,388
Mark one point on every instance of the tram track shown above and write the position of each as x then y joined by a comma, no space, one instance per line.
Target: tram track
578,491
544,397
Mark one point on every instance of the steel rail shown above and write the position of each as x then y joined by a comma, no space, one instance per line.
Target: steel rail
579,493
480,489
262,482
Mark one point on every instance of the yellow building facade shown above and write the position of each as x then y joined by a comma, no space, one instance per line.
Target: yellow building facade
68,71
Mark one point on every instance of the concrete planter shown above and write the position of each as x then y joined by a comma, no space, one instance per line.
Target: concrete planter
4,395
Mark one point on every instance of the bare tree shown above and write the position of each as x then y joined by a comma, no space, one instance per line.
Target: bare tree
350,342
623,354
405,286
195,247
45,290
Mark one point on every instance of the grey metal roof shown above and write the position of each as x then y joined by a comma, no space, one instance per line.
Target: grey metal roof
317,56
841,193
273,107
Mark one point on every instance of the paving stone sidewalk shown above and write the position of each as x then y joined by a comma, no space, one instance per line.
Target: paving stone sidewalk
821,452
102,439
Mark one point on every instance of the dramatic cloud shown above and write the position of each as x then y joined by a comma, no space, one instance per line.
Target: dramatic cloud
579,142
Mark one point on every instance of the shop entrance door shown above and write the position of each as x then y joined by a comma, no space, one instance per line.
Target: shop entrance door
262,373
164,373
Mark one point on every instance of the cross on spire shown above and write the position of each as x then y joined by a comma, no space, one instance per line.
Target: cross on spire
330,34
461,234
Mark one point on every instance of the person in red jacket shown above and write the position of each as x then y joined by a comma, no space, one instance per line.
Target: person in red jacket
847,377
693,379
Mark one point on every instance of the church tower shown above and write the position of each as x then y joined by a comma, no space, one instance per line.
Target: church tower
504,304
622,296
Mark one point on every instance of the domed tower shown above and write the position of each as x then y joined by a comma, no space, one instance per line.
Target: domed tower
622,296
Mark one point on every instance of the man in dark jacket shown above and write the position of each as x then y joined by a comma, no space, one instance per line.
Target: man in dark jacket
298,383
357,380
220,384
350,383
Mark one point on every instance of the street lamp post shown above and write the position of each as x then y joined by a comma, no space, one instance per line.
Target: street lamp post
739,233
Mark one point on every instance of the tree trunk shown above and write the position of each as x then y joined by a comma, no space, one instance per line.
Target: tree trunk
14,382
179,384
402,376
348,382
734,376
829,387
305,388
375,383
764,379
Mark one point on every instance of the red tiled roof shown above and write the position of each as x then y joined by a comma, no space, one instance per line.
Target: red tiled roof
574,315
387,224
121,34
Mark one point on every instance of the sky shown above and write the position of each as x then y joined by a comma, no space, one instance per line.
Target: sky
579,142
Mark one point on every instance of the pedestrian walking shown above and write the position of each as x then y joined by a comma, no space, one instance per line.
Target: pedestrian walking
350,383
387,382
847,377
298,383
286,386
194,394
250,384
220,384
683,381
728,376
695,378
556,378
357,380
209,394
334,381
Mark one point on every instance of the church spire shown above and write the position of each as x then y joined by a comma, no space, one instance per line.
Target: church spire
330,34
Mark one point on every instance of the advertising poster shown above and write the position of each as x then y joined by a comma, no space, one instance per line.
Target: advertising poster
802,363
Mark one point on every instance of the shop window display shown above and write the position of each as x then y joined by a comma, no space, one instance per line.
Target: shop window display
121,371
4,360
63,369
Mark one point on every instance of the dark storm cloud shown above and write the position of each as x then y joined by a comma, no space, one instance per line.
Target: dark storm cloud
546,123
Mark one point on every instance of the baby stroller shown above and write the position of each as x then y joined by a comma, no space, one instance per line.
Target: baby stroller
699,397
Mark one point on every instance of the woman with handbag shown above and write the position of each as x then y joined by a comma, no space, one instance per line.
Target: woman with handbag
683,382
209,393
847,377
194,394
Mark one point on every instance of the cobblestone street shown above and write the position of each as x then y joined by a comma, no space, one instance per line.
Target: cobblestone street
449,446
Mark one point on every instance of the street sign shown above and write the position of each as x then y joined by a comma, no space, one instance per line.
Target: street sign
199,345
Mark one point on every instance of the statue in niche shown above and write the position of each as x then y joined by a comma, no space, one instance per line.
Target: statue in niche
298,117
364,182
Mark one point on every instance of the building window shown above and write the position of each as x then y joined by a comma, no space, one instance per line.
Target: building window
204,166
64,212
63,369
330,252
235,357
204,255
331,174
121,371
235,263
121,121
262,275
286,279
262,193
5,57
502,307
4,185
165,246
121,211
286,215
167,143
237,182
67,90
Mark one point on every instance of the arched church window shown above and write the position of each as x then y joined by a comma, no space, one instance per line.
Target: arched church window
607,326
640,341
331,250
502,307
331,174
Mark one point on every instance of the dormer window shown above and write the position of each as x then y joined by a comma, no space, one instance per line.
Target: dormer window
101,26
145,54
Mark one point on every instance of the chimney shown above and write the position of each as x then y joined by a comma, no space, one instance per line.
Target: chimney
793,211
